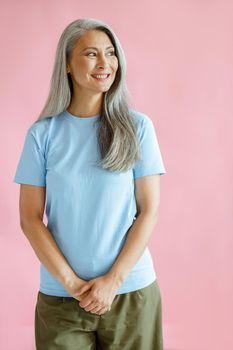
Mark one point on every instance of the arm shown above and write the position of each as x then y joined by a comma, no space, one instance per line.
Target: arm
147,198
103,289
31,206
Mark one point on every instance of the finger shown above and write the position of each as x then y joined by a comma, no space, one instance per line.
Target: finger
96,309
86,301
102,311
83,289
81,297
90,307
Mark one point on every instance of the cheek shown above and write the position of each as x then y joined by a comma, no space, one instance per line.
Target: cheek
115,68
115,64
82,67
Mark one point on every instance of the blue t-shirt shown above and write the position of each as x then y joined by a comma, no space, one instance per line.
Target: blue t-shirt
89,209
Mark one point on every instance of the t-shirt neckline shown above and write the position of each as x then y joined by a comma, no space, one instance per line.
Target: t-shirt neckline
76,118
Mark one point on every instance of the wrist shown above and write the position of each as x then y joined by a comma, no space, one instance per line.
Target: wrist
71,280
117,277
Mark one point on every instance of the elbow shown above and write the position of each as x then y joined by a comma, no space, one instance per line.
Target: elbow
149,211
150,214
26,223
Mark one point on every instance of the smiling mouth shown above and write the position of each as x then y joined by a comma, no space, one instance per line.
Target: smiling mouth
101,77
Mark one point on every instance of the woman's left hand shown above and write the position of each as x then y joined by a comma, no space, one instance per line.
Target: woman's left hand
102,291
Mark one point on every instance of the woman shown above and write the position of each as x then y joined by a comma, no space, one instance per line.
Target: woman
97,163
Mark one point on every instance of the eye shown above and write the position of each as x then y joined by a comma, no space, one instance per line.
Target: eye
111,52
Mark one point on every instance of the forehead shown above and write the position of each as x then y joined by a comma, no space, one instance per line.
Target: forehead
93,38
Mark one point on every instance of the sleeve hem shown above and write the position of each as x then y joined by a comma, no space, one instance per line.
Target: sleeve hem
25,182
149,174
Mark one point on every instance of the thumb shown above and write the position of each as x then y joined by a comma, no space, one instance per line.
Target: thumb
83,289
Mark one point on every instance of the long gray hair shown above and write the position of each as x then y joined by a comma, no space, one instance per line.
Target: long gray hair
117,130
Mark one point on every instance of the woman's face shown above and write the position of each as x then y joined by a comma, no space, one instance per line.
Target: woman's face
93,54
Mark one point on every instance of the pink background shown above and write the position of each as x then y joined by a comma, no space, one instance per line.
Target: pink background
179,56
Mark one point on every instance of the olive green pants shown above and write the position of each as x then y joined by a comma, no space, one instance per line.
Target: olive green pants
133,323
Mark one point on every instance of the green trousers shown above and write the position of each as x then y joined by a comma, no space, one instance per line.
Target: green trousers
133,323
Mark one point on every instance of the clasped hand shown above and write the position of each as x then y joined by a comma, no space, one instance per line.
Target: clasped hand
98,294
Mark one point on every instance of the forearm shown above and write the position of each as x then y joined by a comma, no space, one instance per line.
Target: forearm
48,252
135,244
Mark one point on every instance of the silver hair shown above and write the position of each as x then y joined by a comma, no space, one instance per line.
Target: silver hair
117,130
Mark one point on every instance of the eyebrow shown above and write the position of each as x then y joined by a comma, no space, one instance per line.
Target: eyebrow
95,48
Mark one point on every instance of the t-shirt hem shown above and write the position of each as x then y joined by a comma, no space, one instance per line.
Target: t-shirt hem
150,277
136,286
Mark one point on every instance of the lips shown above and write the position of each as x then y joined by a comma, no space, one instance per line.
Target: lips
101,76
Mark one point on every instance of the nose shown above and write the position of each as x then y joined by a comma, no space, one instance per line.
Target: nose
102,62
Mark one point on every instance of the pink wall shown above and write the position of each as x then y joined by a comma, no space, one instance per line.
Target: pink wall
179,56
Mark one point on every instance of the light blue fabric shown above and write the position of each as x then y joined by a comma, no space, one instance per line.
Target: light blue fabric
89,209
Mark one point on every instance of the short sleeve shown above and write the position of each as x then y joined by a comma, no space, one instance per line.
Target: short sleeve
31,168
151,161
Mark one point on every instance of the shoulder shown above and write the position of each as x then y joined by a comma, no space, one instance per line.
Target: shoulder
140,117
44,125
41,130
40,126
142,121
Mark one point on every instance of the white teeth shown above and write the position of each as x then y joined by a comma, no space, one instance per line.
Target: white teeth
101,76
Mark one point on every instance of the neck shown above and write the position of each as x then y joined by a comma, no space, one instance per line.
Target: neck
84,105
